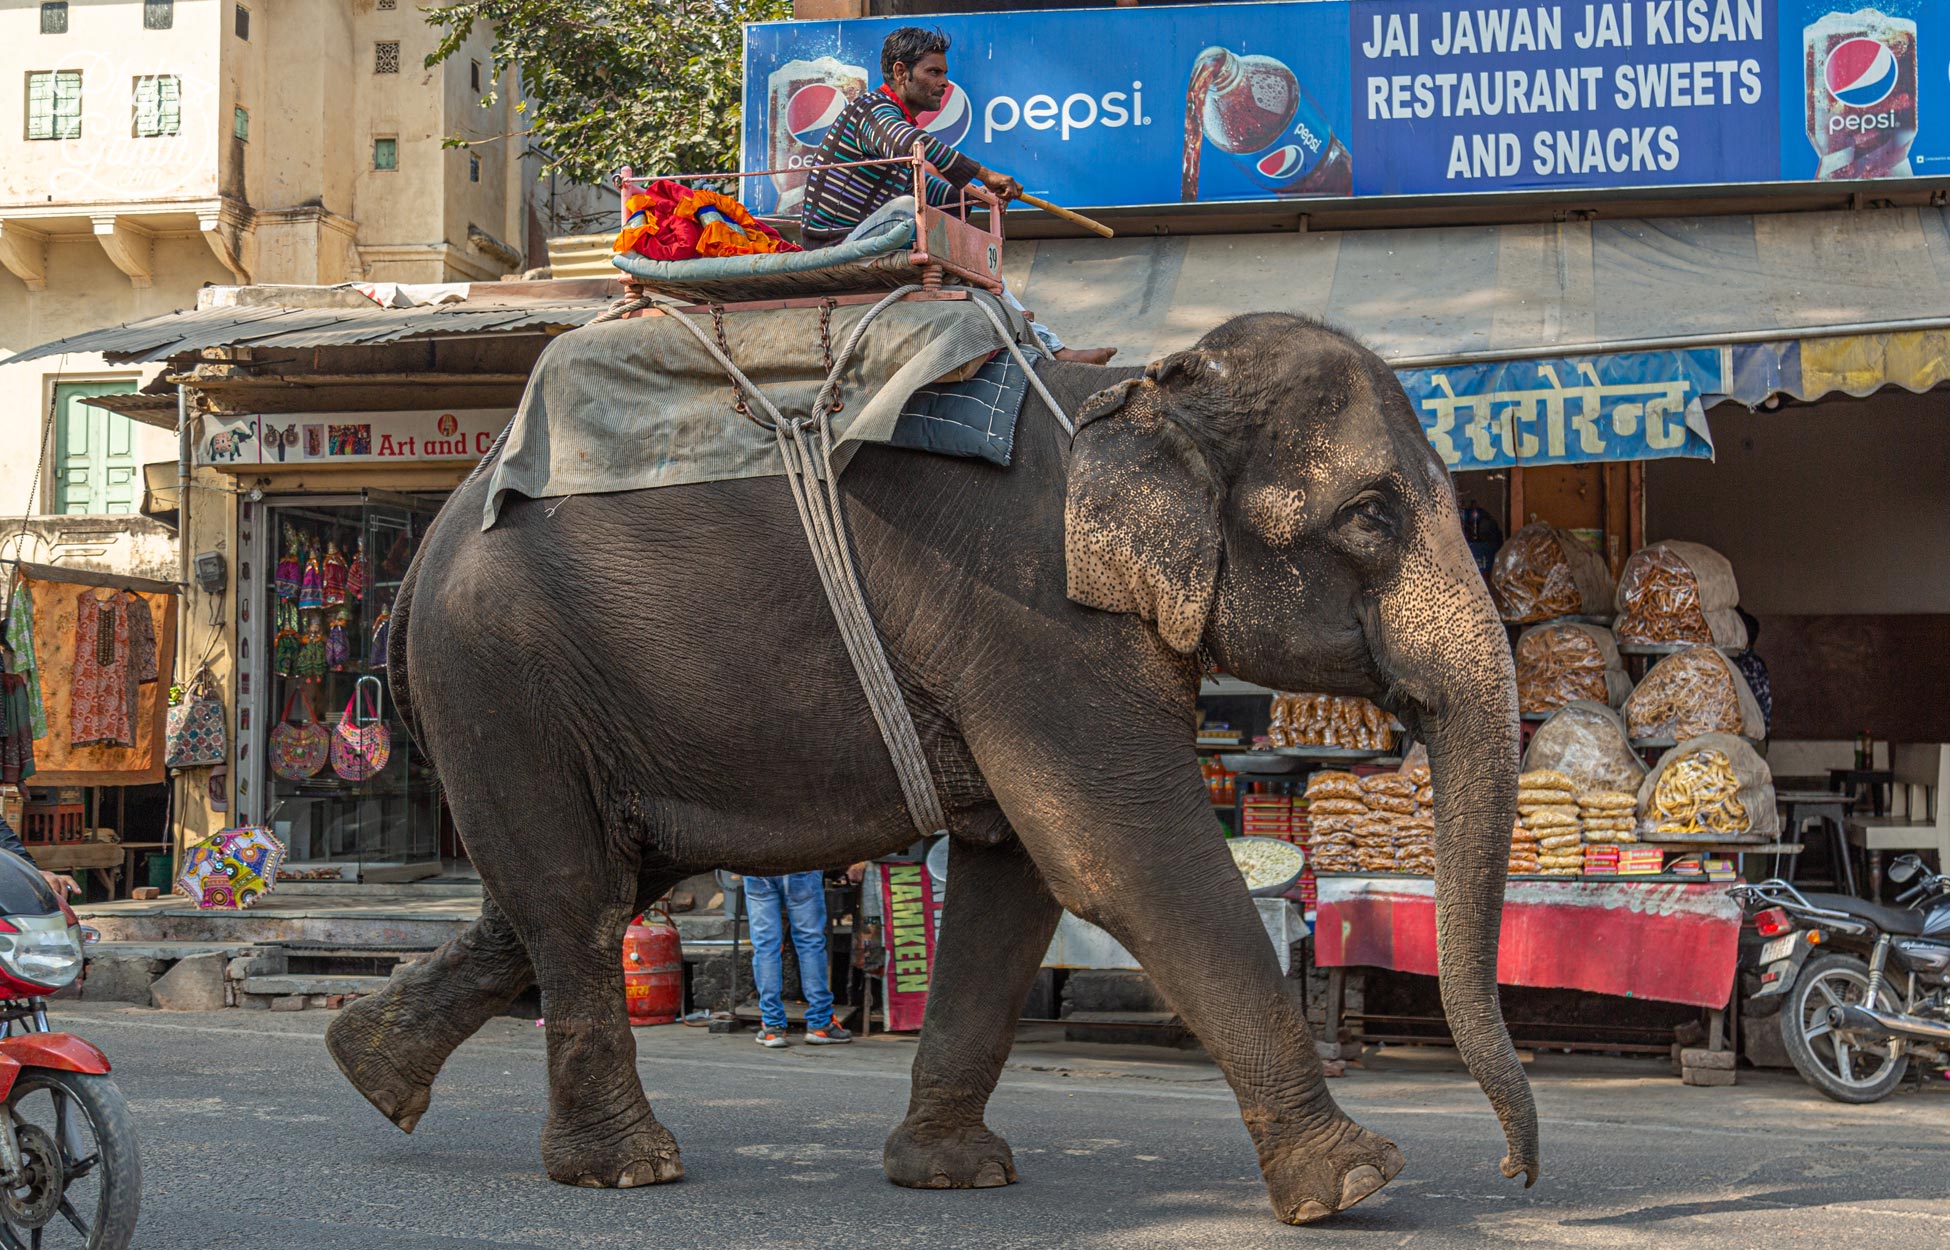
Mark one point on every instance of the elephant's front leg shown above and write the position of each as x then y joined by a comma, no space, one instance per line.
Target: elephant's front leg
995,929
1152,868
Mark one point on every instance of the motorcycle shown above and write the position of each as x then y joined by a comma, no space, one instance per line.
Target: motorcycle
1867,986
70,1169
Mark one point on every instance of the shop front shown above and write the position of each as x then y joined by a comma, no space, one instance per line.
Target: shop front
330,510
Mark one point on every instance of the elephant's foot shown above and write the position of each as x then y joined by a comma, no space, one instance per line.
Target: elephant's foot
646,1155
376,1059
1308,1183
920,1156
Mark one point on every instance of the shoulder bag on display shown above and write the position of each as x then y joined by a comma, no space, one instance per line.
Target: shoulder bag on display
194,736
361,748
298,750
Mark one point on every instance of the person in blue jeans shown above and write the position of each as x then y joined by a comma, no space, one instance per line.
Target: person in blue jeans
770,903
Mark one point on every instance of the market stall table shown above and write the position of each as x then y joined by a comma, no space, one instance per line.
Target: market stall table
1800,808
1660,939
1877,781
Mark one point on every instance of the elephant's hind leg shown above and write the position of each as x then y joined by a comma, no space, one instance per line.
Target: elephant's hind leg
392,1044
570,905
989,953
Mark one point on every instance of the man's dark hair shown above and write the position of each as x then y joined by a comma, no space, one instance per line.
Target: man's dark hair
907,46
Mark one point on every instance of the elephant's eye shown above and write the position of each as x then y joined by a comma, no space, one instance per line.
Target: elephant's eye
1369,509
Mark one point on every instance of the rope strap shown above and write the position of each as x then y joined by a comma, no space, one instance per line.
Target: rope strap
806,447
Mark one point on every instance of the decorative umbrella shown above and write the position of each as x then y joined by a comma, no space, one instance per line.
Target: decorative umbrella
231,868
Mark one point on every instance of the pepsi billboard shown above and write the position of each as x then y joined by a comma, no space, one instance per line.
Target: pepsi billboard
1367,98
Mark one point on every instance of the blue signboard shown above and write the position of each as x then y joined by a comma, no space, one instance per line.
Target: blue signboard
1365,98
1568,410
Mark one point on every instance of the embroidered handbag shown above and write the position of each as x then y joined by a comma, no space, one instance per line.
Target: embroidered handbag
298,750
194,734
360,749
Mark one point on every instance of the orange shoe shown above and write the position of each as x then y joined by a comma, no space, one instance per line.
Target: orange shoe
831,1035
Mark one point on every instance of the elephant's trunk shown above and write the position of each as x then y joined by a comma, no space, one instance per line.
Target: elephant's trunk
1454,679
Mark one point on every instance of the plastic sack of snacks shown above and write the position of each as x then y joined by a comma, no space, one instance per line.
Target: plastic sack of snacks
1544,572
1713,787
1559,663
1679,592
1693,692
1328,720
1586,742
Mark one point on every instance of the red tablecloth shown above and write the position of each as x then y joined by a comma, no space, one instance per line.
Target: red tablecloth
1672,941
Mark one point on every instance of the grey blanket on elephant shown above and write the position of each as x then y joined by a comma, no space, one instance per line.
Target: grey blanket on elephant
639,402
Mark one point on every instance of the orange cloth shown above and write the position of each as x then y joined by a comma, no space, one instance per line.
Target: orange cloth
670,221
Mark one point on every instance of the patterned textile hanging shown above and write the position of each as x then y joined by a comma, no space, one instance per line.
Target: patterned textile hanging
311,649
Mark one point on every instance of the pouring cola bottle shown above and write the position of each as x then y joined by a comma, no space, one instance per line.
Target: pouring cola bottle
1253,109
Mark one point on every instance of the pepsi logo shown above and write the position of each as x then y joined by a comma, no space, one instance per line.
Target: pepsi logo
811,111
1283,162
950,122
1860,72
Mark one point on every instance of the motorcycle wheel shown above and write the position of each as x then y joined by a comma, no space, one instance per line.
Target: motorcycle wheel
83,1183
1846,1070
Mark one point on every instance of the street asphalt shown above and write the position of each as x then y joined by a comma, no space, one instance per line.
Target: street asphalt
250,1138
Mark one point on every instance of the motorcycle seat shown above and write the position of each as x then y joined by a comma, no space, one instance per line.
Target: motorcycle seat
1897,921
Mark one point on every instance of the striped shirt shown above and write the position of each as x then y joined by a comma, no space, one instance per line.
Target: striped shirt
874,126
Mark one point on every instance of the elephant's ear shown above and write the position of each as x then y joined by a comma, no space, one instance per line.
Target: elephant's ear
1141,521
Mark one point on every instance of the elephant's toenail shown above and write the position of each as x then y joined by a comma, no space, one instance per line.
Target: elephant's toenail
990,1175
1309,1211
1392,1163
1359,1183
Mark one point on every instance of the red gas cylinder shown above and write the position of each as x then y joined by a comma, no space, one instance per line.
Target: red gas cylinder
653,970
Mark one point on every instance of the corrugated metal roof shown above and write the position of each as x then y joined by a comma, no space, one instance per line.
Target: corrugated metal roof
159,338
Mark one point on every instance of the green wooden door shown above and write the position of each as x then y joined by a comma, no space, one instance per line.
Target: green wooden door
95,467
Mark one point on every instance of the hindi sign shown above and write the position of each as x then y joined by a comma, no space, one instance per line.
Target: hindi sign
909,904
1568,410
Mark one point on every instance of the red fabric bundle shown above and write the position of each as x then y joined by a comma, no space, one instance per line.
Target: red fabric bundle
670,221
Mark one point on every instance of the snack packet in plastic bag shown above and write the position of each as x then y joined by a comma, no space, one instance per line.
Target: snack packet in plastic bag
1544,572
1713,787
1693,692
1586,742
1559,663
1679,592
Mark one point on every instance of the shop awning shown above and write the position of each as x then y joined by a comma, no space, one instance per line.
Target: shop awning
1817,302
159,338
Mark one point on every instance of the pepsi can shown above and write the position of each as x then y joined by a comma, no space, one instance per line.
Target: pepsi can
1253,109
1860,72
803,100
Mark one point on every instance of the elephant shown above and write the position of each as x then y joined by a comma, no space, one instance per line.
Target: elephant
1265,500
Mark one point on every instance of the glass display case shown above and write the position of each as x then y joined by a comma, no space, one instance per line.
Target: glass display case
363,806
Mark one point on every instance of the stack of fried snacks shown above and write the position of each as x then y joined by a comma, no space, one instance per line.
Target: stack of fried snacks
1548,803
1608,816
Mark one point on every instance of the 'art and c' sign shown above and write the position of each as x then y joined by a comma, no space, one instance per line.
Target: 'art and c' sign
326,438
1371,98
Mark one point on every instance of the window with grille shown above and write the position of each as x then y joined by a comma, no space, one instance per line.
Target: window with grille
387,6
473,169
158,105
240,124
54,18
158,14
385,57
385,153
243,26
54,104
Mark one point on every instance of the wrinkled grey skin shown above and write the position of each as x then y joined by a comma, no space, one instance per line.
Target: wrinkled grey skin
621,690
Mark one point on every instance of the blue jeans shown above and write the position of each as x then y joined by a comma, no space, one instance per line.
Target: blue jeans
769,903
899,212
